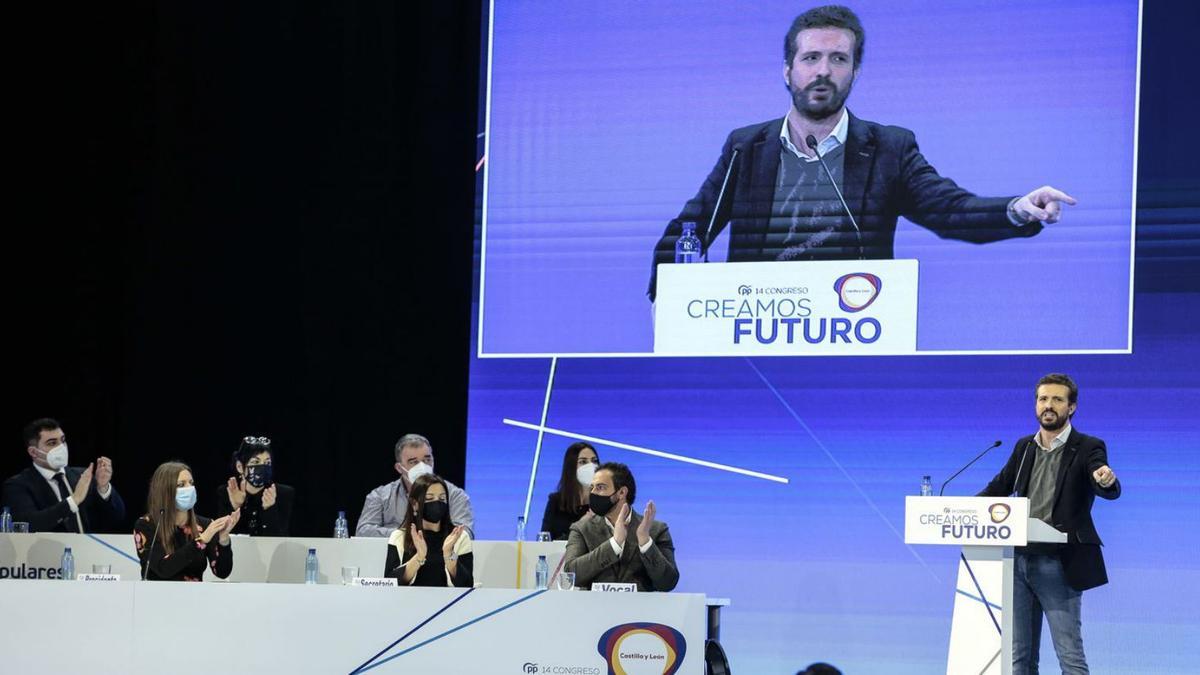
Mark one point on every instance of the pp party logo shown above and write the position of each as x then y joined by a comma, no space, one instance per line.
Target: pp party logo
638,648
857,291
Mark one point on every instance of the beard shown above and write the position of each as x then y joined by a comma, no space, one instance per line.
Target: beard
817,111
1053,423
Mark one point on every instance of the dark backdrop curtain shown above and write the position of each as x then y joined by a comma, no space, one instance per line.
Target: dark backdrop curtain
244,218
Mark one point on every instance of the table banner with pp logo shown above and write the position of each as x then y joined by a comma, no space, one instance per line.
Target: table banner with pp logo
966,521
835,307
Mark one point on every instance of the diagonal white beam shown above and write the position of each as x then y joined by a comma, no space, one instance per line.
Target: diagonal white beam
537,450
542,428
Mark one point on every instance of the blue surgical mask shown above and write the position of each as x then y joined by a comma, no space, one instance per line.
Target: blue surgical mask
185,498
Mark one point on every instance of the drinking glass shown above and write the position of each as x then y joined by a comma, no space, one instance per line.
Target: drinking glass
566,581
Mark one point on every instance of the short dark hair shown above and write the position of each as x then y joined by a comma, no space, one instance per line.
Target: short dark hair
820,669
829,16
33,430
411,440
1064,380
248,449
622,477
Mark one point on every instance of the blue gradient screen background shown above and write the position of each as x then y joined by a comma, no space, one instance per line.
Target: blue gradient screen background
817,568
606,117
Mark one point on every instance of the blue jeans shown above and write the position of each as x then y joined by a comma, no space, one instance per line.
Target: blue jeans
1040,587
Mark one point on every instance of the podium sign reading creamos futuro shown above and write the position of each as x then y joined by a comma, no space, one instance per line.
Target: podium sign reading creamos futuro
828,308
967,521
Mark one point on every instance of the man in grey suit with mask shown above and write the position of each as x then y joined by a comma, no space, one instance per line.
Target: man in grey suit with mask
600,548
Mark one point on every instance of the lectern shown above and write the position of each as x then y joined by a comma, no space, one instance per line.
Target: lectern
987,529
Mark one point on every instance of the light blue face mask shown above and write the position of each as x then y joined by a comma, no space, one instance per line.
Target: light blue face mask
185,498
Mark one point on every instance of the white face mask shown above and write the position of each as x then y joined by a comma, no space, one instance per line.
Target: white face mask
57,458
584,473
185,497
419,470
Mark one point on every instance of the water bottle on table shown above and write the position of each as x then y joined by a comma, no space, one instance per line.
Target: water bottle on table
926,486
310,567
340,529
687,247
6,520
67,565
520,528
543,573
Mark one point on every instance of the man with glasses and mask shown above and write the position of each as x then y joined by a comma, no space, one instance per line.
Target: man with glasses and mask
1061,471
617,545
54,497
385,506
266,506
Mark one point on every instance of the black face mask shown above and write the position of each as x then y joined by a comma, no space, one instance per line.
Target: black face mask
258,475
435,511
601,504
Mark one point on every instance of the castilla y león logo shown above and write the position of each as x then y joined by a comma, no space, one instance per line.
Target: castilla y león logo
857,291
999,512
642,643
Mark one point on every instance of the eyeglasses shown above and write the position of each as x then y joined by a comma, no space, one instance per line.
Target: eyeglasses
257,440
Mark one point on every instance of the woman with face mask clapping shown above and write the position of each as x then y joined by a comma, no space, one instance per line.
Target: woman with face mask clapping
172,542
266,506
428,549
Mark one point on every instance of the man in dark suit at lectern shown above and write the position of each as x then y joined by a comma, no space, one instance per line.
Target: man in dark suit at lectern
600,547
780,199
54,497
1061,471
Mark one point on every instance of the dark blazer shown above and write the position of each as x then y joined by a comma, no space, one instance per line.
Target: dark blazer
273,522
32,500
558,522
591,558
189,557
884,177
1072,513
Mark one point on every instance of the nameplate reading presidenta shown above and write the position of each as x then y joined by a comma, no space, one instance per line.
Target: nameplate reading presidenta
374,582
97,577
611,587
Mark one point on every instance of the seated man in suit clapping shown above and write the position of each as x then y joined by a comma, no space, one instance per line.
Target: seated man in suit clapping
599,548
54,497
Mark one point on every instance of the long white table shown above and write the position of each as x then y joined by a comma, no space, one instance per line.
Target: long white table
265,559
180,628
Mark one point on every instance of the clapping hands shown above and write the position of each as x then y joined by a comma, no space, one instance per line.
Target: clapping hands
643,530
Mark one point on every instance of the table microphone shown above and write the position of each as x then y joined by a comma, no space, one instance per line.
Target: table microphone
712,221
150,551
811,141
989,449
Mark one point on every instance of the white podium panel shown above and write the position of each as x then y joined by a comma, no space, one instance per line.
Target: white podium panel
966,521
988,529
827,308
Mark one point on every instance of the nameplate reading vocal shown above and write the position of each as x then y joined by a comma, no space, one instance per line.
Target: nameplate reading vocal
610,587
